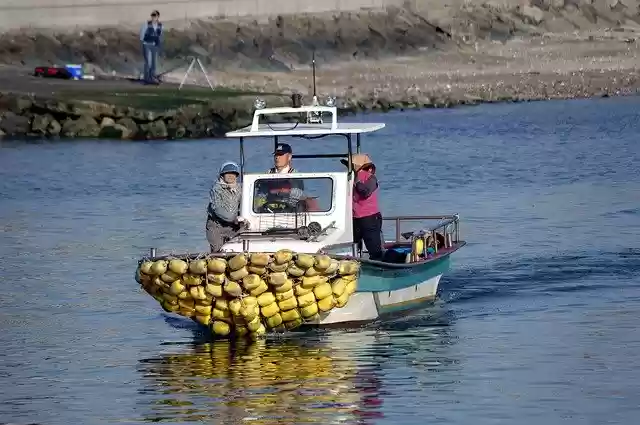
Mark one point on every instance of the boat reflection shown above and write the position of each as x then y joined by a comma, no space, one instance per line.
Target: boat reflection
327,377
272,381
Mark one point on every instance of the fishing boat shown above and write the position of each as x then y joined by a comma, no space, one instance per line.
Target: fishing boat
319,225
408,275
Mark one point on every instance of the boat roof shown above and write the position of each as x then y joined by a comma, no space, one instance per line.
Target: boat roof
288,129
257,129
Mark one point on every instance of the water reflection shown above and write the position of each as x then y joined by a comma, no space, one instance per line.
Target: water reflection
288,381
326,378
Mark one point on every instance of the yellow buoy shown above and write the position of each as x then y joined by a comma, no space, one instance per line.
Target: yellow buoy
306,299
204,319
178,266
185,295
418,247
189,303
287,286
233,288
176,287
281,296
338,287
222,304
270,309
251,282
275,267
295,271
266,299
283,256
145,267
274,321
197,293
326,303
220,328
288,304
322,262
239,274
260,271
217,265
290,315
260,289
312,271
235,306
216,279
304,261
254,324
169,276
203,309
310,282
249,301
309,310
351,287
237,262
170,298
259,259
198,267
277,278
342,300
322,291
220,314
293,323
191,279
213,290
299,290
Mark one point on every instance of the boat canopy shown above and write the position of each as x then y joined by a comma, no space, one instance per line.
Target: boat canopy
313,125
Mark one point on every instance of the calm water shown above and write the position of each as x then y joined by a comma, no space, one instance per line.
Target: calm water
538,321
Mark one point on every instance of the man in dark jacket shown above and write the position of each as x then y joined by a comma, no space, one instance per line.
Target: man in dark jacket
151,39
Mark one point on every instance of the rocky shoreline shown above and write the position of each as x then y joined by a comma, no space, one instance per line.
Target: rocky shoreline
424,55
29,116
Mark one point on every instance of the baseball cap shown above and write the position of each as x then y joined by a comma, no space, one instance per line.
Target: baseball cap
282,148
229,167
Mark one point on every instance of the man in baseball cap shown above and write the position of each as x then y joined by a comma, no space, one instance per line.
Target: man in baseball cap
282,156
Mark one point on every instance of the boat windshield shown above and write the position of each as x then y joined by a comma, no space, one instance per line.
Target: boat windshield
292,195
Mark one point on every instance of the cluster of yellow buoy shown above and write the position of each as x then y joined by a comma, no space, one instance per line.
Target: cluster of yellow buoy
249,294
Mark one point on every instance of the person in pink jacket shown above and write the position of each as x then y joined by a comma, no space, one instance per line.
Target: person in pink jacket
367,219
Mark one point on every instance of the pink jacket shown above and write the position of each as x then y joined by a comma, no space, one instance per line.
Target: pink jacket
365,194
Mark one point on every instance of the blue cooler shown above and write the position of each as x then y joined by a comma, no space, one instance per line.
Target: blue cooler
75,71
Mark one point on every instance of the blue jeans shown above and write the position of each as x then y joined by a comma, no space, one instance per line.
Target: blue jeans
150,53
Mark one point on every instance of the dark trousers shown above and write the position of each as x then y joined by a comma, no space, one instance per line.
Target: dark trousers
369,230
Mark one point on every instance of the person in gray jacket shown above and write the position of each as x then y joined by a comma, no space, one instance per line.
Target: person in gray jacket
223,221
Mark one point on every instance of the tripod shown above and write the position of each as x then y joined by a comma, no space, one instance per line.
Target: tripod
194,61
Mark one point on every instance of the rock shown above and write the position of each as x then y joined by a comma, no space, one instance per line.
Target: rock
40,123
129,124
107,122
85,126
15,125
54,128
2,134
91,109
115,131
533,13
175,130
142,116
154,130
18,105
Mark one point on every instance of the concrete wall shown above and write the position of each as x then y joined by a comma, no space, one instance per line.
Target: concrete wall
71,13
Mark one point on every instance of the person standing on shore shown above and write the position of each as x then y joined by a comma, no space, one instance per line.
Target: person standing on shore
151,38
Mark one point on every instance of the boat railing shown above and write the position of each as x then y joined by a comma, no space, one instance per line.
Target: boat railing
448,226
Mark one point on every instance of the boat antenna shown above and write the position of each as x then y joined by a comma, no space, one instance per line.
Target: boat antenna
313,67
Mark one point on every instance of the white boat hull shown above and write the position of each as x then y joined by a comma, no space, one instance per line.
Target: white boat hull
370,306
